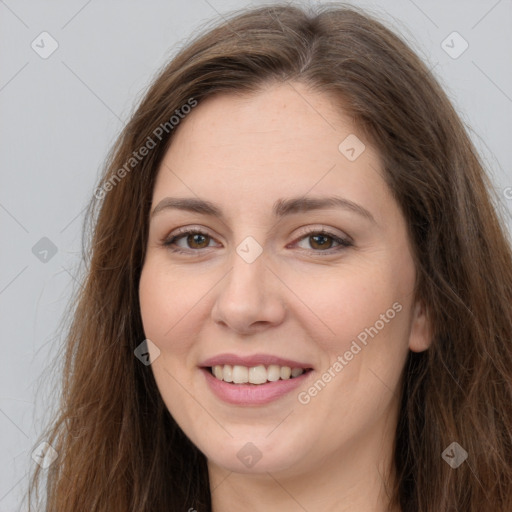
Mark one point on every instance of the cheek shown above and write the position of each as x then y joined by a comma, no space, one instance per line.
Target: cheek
357,304
367,312
167,303
360,378
167,315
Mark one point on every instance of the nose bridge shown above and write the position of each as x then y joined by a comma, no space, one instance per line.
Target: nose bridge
248,261
247,279
247,294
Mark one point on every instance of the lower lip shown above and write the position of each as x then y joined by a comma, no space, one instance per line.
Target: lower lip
252,394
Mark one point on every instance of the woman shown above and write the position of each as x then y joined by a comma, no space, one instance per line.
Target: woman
299,292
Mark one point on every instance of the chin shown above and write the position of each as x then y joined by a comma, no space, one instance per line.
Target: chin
256,454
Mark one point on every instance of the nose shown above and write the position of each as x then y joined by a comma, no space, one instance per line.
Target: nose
250,297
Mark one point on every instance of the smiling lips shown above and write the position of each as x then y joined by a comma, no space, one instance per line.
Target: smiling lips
252,380
260,374
255,369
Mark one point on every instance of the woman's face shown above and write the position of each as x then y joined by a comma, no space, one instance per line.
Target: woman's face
260,293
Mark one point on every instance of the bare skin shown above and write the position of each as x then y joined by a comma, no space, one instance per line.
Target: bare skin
304,297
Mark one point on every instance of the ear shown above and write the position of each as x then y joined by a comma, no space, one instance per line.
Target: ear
420,337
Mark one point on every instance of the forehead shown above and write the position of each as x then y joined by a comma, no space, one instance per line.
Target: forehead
287,119
283,140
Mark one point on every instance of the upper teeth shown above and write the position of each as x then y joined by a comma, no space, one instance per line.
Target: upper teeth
254,374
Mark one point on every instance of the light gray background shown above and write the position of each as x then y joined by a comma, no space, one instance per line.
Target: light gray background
60,115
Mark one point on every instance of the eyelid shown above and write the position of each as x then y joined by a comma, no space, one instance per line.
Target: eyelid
343,240
316,228
180,232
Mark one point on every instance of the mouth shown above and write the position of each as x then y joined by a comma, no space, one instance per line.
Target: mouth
253,380
255,375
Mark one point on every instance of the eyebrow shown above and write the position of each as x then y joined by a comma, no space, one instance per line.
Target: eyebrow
281,208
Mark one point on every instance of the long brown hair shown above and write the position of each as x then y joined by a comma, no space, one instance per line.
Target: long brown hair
120,449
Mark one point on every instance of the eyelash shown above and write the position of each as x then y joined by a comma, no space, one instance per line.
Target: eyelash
343,242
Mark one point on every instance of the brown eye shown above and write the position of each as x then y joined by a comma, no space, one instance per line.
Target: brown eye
194,241
321,241
197,238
